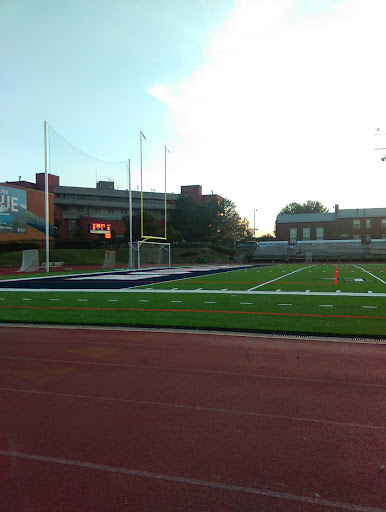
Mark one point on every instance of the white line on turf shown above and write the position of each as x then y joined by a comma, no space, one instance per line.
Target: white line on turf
372,275
227,292
273,280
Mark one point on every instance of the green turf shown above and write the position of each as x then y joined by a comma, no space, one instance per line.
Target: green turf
337,315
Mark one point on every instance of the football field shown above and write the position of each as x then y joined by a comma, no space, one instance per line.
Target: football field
316,299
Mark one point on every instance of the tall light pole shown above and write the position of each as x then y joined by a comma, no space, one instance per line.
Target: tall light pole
254,223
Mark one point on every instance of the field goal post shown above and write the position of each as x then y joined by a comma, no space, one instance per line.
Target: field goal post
151,253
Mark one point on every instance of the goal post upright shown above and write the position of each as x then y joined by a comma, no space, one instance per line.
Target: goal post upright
143,236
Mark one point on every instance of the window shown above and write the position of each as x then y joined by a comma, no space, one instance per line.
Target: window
368,224
383,223
357,237
368,238
356,224
293,235
306,234
319,233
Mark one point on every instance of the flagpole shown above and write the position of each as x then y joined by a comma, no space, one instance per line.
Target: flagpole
47,207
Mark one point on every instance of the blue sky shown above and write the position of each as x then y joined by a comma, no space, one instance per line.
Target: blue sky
264,102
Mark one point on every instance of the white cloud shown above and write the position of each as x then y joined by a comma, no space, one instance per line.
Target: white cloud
284,108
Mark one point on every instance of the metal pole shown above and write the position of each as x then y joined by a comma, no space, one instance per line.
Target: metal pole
47,207
166,149
140,146
130,220
254,223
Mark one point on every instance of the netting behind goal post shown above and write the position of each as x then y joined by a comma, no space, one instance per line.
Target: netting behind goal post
151,254
110,259
30,261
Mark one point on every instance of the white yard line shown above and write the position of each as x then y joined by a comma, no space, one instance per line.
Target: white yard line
372,275
277,279
208,292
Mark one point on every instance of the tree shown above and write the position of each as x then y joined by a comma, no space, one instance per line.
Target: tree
210,221
308,207
150,225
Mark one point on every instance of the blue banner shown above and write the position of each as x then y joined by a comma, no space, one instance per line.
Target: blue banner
13,209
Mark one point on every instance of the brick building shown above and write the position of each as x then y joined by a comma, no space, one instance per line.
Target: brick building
77,207
363,224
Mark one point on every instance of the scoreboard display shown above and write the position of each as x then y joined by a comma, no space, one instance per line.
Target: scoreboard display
100,228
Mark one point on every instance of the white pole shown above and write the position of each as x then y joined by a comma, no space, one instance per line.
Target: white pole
47,207
254,223
130,220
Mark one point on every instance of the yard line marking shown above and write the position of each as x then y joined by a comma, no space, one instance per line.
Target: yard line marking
284,304
210,302
198,408
112,300
179,301
370,307
53,299
336,275
249,303
273,280
143,300
26,299
82,300
191,481
372,275
278,290
326,306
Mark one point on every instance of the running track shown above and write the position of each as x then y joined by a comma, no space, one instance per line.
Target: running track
122,420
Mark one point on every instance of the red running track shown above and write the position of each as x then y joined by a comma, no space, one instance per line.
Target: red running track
121,420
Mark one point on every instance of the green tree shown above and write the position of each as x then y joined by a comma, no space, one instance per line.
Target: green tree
308,207
150,225
210,221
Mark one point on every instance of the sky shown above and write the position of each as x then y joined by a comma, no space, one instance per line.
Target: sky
262,102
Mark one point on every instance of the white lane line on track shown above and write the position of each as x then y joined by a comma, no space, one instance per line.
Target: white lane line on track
199,408
277,279
190,481
194,370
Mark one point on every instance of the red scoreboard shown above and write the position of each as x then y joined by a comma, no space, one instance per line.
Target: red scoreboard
100,228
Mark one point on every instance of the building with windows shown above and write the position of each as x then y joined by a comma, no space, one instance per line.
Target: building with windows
77,207
364,224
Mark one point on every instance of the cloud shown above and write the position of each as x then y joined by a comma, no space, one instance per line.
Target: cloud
284,107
